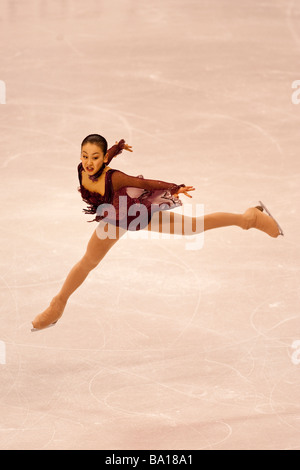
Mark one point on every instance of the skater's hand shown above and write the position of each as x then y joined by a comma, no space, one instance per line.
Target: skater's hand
126,147
115,150
184,190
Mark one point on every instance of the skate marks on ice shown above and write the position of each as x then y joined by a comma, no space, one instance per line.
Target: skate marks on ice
290,14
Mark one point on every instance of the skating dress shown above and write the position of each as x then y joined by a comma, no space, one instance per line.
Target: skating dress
125,201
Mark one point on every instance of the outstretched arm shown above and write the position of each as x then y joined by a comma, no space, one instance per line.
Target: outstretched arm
120,180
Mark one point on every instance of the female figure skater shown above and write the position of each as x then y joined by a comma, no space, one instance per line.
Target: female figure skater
102,187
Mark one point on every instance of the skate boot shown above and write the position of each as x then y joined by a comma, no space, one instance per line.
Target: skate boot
269,213
256,218
50,316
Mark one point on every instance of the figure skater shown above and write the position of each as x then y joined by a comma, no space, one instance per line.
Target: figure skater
102,188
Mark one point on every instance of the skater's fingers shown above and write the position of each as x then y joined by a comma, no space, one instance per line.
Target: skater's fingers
187,188
128,147
184,190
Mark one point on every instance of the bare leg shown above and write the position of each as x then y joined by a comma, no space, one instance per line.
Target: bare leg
95,252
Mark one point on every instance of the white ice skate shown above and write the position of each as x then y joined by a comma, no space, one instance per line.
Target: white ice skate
269,213
50,316
41,329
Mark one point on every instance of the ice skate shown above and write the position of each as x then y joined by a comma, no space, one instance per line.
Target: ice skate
50,316
256,218
39,329
269,213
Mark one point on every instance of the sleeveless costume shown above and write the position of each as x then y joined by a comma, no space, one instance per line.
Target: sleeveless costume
117,197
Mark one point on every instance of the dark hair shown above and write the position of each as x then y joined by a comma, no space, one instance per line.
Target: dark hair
96,139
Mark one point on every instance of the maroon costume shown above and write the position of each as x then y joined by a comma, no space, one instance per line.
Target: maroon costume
155,195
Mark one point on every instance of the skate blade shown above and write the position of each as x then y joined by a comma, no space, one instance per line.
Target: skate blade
269,213
41,329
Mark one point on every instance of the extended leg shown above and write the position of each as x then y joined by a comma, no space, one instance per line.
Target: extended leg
95,252
179,224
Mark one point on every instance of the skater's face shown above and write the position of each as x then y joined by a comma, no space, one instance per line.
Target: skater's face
92,158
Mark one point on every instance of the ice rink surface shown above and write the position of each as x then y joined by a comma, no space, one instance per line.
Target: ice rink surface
162,347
